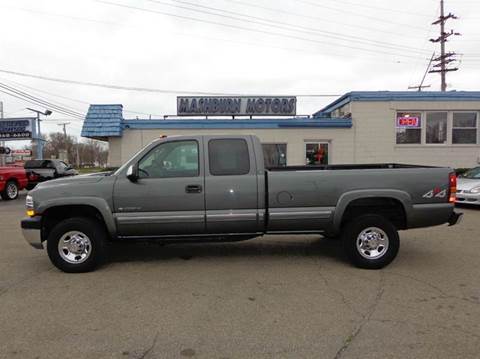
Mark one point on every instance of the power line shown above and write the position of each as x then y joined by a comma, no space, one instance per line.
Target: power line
383,8
250,29
36,103
283,25
216,38
344,11
41,101
312,17
143,89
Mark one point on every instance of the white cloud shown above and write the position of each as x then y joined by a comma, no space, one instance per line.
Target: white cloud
96,42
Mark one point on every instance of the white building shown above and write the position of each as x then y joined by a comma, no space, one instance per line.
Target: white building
430,128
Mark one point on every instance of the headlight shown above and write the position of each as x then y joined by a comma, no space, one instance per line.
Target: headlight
29,205
474,190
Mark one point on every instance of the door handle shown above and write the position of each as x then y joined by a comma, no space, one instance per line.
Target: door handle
193,188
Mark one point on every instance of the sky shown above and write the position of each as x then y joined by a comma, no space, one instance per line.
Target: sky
250,47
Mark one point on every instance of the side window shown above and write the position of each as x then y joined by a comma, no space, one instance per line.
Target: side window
409,128
464,129
228,157
436,127
171,159
61,166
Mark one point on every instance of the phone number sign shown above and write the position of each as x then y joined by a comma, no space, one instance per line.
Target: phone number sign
16,129
408,122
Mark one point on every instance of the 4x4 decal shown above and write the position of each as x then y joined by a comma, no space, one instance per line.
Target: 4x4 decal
436,192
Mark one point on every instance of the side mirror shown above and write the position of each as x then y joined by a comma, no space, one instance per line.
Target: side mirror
132,173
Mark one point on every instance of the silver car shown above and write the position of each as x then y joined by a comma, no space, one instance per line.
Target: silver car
468,187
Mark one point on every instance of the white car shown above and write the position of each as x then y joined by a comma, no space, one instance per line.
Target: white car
468,187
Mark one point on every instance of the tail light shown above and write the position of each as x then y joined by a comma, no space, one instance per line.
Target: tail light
452,180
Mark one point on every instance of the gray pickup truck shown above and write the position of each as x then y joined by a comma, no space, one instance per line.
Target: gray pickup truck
215,188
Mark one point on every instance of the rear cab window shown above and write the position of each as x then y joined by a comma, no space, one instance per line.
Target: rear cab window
228,157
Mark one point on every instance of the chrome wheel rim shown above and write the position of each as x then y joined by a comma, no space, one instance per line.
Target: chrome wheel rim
12,190
74,247
372,243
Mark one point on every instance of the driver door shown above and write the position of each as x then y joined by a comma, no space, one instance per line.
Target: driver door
168,197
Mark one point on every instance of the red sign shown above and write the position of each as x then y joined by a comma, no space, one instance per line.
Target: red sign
405,121
22,152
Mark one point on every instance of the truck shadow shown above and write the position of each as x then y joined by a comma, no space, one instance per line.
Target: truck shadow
265,247
472,207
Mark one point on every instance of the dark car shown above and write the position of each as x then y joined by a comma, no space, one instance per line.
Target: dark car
44,170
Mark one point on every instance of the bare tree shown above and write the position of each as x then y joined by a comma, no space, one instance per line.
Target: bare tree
90,153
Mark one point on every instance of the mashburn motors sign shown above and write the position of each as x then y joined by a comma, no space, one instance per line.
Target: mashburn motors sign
236,106
16,128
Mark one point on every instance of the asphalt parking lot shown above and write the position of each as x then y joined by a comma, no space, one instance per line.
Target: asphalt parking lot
275,297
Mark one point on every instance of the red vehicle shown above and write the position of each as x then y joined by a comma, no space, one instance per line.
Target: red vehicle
12,180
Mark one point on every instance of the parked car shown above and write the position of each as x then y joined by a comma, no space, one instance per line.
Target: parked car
12,180
44,170
468,187
216,188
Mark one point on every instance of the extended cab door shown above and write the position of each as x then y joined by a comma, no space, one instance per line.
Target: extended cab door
168,197
231,195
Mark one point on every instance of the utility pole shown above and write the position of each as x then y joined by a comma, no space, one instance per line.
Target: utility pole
64,156
64,124
422,86
445,58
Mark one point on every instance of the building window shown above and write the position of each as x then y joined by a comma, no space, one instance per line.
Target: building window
316,154
436,127
275,154
228,157
409,128
464,128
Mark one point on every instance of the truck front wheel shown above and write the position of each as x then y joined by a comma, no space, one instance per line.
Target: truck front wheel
370,241
76,245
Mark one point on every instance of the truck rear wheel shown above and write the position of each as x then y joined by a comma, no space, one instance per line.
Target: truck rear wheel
77,245
370,241
11,191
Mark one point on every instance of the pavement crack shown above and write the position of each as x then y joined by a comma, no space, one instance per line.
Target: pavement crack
443,294
149,349
439,290
338,293
366,318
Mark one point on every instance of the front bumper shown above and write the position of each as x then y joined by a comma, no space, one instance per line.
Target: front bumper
467,198
455,218
32,231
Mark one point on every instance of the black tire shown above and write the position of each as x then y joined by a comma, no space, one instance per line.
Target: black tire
8,194
94,232
350,237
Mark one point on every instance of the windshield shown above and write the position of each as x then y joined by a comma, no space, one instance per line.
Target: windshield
474,173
